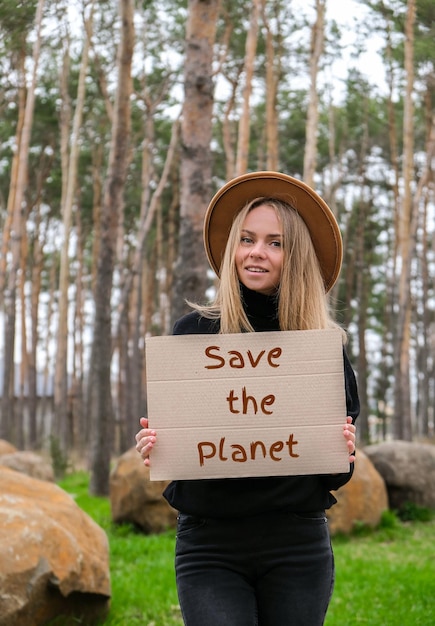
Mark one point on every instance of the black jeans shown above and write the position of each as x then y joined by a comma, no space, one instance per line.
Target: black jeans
274,569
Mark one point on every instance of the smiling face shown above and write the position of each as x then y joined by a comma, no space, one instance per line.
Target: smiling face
259,255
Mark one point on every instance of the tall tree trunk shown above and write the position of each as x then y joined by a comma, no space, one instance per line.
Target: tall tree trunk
363,278
77,388
21,409
20,70
61,373
45,423
228,133
390,343
228,124
423,330
17,191
196,133
149,207
100,396
423,315
171,248
317,43
128,333
273,75
402,396
362,295
36,274
245,121
427,404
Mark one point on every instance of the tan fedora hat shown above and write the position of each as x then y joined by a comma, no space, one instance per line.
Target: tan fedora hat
234,195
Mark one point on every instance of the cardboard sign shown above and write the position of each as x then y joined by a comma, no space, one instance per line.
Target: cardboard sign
249,404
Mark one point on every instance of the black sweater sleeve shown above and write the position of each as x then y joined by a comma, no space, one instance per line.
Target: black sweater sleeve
334,481
352,399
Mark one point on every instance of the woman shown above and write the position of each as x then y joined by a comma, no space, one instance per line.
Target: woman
257,551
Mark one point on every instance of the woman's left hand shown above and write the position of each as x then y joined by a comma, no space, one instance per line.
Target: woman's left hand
349,434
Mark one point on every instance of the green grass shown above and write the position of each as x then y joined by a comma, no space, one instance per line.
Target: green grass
386,577
383,578
141,566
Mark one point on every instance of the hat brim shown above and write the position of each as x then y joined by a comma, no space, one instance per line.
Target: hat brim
320,220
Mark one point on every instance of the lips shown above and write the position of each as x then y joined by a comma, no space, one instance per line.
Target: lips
257,270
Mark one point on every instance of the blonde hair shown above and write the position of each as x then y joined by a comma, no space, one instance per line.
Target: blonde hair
302,301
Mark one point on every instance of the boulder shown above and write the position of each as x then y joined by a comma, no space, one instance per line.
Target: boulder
136,499
363,499
408,469
54,559
6,447
28,463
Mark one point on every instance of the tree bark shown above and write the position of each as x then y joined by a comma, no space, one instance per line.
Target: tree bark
71,162
195,167
100,397
402,403
427,396
245,117
17,191
317,44
273,75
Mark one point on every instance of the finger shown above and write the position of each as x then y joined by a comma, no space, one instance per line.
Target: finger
143,450
141,434
351,447
349,436
144,430
349,426
145,453
146,443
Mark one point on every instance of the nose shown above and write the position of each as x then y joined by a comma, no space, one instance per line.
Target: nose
257,250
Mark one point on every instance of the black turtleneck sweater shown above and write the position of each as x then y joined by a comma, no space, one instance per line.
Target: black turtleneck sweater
236,497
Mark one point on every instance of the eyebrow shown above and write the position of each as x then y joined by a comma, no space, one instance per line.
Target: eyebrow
272,235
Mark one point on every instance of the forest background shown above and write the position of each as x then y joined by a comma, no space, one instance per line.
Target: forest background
119,120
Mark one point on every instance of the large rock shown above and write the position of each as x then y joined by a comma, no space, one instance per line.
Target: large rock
136,499
362,500
6,447
28,463
54,559
408,470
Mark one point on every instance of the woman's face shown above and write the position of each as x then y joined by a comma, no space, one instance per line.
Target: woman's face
259,256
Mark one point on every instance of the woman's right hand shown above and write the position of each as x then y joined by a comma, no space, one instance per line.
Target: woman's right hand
145,440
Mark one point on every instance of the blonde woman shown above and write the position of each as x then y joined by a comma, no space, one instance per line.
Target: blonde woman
257,551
